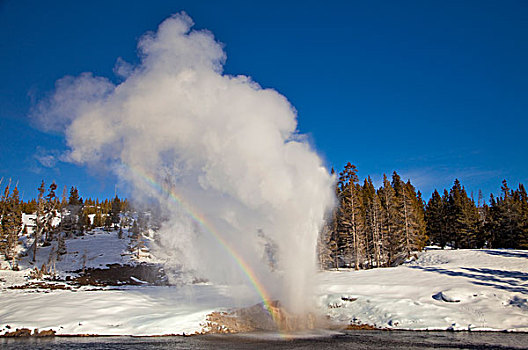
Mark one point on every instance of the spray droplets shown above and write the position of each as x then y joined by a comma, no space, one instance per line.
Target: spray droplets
225,145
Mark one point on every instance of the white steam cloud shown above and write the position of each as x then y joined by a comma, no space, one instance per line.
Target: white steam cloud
226,146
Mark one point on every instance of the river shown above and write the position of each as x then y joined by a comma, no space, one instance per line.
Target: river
385,340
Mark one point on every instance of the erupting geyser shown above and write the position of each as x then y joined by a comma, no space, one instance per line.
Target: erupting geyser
244,193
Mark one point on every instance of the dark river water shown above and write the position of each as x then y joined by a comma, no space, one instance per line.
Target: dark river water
386,340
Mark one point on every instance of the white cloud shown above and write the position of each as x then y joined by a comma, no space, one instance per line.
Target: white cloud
47,158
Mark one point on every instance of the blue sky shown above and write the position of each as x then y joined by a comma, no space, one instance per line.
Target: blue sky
434,90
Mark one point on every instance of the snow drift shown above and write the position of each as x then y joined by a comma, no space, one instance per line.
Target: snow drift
220,152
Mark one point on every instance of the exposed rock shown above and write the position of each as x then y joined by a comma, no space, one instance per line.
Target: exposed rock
26,332
444,297
48,333
259,318
23,332
347,298
116,274
41,285
362,327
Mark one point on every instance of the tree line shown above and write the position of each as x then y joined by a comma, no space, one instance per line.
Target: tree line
454,219
372,227
369,227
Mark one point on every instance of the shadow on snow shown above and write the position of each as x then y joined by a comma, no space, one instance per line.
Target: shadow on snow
512,281
507,253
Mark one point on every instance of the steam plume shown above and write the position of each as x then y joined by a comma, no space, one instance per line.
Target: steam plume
224,144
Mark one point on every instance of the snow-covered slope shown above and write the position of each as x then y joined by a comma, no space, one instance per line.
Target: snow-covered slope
97,248
452,289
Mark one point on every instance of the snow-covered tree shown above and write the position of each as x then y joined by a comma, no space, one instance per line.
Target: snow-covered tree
46,211
10,224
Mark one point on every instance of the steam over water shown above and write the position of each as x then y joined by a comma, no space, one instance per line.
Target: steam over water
226,148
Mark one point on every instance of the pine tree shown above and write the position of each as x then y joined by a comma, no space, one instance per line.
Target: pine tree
483,221
508,218
435,220
349,220
391,240
414,222
3,209
29,207
14,226
105,207
107,222
40,219
90,207
115,211
447,229
125,206
372,223
455,214
409,234
98,219
74,198
45,213
64,199
473,237
492,223
67,224
400,240
523,217
61,247
397,184
463,224
420,233
51,206
11,225
326,245
136,242
329,250
72,214
83,222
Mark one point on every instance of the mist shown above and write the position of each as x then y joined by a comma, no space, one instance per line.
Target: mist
226,148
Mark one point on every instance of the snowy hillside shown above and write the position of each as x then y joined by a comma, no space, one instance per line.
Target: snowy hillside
95,249
451,289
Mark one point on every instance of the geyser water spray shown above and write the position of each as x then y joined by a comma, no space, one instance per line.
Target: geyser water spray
218,152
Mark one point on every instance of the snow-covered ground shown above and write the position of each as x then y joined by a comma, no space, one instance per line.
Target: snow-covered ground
442,289
125,311
451,289
113,310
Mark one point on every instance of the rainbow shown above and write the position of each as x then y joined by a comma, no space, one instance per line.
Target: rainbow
202,221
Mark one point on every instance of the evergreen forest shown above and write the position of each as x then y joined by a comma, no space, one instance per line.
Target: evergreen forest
369,227
372,227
